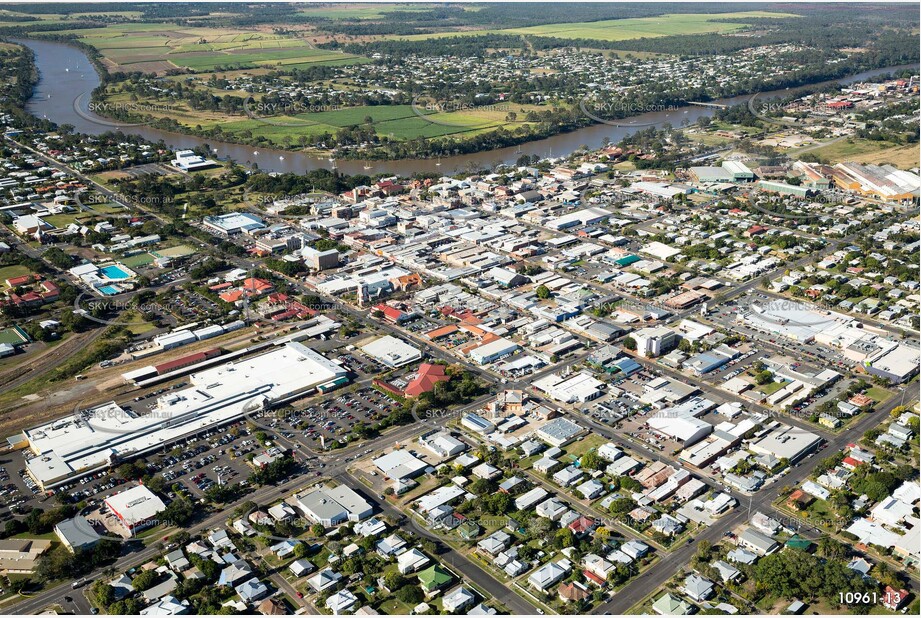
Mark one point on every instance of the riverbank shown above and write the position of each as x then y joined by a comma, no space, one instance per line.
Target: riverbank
67,79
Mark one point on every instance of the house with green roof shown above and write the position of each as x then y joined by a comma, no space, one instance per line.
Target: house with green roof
434,578
468,530
670,605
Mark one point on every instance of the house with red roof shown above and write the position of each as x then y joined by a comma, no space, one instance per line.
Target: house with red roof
894,599
14,282
428,376
392,314
850,463
582,525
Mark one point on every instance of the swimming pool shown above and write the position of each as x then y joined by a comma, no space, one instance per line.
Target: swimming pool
109,290
113,272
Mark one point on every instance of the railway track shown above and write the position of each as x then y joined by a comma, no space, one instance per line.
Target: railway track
47,361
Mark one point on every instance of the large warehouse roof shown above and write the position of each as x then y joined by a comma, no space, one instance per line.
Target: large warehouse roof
91,438
391,351
135,505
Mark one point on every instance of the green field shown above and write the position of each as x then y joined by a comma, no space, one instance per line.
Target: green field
397,122
362,11
625,29
136,261
13,336
160,47
9,272
866,151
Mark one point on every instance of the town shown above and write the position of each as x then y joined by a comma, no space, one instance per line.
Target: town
677,373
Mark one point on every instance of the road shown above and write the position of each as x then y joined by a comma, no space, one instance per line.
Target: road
672,563
336,468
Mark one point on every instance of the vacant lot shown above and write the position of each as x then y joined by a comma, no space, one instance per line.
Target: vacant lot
869,151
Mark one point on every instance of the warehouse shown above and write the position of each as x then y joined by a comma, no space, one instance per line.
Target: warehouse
493,351
329,506
391,351
135,508
897,364
577,388
739,171
560,432
783,188
93,439
785,442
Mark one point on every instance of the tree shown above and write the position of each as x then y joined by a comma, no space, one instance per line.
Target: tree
144,580
542,292
410,594
630,344
592,461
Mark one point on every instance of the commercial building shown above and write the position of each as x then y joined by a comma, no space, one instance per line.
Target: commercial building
21,555
580,218
320,260
329,506
580,387
786,442
233,223
188,161
94,439
135,508
559,432
76,533
655,341
391,351
492,351
897,364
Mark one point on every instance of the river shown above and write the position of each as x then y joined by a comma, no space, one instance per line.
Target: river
67,79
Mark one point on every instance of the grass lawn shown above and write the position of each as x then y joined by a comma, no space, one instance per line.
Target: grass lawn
878,394
11,272
136,261
773,387
393,606
135,324
868,151
581,447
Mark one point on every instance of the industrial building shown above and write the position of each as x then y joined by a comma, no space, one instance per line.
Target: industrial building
785,442
391,351
135,508
559,432
329,506
233,223
97,438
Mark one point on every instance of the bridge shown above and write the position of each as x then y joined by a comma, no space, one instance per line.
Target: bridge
702,104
